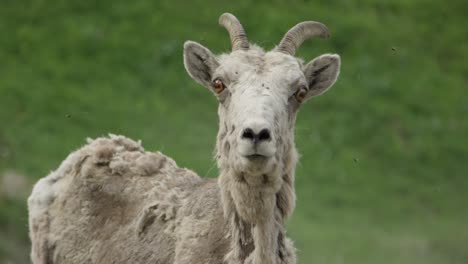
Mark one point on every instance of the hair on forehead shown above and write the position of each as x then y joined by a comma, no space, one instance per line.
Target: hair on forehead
254,54
257,57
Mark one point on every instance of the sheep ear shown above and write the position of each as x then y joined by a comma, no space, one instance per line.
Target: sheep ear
321,73
199,62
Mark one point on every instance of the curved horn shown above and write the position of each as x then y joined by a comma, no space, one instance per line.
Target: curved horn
236,31
300,32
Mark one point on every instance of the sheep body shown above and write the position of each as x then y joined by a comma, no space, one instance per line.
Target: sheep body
113,202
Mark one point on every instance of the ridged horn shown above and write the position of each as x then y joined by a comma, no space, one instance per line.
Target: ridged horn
293,39
236,31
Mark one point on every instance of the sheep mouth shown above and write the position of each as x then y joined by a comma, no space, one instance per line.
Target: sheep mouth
256,157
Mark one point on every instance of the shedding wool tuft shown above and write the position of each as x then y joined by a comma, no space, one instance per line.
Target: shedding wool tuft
119,191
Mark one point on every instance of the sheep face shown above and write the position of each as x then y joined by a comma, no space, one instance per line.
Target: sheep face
259,93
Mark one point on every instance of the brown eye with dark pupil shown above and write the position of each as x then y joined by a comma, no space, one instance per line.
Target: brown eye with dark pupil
218,86
301,94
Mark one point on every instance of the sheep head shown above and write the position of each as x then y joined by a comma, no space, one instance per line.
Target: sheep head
260,92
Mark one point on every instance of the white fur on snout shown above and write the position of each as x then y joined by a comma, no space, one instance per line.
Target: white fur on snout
265,148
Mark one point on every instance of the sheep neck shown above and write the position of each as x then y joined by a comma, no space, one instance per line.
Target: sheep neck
255,206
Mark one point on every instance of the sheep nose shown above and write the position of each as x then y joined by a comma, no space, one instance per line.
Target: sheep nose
262,135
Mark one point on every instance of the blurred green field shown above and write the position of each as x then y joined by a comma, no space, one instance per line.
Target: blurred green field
383,176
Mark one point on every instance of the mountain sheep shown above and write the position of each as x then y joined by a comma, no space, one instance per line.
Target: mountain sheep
113,202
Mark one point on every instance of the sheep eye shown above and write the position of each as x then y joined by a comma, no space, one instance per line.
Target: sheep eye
301,94
218,86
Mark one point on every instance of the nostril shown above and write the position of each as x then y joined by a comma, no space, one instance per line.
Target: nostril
248,133
264,135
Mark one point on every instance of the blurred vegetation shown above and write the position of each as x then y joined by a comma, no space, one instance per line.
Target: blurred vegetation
383,173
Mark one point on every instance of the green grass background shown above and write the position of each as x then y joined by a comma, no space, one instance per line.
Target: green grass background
384,167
